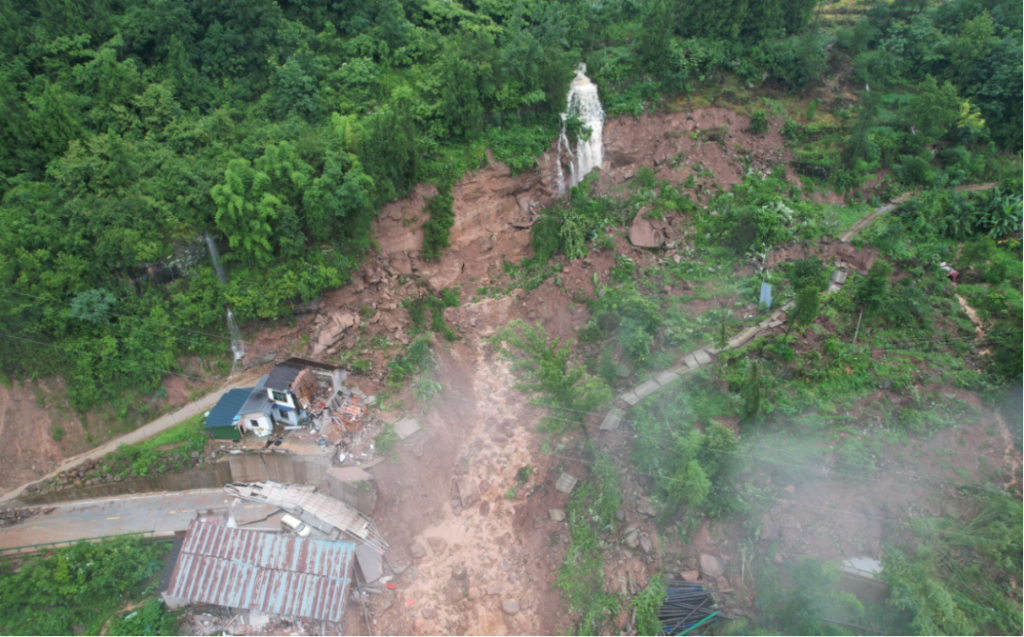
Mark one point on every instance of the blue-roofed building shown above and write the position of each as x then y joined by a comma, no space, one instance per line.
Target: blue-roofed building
222,420
255,415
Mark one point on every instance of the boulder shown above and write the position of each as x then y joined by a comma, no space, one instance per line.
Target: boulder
510,607
690,576
647,233
711,566
438,545
645,507
632,538
417,551
331,333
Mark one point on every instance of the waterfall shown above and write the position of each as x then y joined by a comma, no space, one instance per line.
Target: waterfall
237,345
215,257
583,103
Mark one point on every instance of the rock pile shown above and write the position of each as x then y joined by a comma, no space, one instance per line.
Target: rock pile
10,517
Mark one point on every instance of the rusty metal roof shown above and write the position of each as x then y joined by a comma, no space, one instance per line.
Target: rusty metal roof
274,573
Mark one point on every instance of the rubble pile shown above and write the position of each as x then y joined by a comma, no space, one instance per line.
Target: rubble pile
10,517
207,620
340,419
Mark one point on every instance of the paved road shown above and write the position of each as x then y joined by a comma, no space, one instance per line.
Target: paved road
160,514
146,431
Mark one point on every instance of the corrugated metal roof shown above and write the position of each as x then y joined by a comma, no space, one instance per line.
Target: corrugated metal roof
274,573
224,412
258,399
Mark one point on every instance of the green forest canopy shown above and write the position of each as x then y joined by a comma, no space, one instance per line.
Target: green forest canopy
131,127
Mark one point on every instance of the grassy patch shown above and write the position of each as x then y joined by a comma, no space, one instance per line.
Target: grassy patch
168,451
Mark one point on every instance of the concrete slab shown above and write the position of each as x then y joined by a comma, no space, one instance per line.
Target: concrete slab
691,361
773,324
839,277
369,561
349,474
681,370
612,421
744,336
406,427
248,512
630,397
566,482
646,388
703,358
666,377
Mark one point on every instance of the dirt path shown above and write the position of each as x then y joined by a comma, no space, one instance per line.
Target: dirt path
861,224
146,431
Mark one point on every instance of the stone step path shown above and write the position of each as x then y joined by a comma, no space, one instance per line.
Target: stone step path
703,357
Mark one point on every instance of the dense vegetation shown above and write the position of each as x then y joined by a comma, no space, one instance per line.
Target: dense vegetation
77,589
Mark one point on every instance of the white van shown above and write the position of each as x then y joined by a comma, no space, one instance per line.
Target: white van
296,526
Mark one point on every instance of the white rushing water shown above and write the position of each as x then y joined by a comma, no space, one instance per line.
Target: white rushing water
583,103
237,345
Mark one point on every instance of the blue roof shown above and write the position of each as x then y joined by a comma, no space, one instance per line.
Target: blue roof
258,399
224,412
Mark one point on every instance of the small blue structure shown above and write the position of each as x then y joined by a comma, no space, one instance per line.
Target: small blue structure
766,294
222,418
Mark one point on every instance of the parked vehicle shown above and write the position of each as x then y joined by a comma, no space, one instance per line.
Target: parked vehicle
296,526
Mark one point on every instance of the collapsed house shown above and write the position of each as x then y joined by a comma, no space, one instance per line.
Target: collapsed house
272,573
297,387
295,394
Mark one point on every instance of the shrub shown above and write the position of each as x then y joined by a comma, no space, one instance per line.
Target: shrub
758,122
873,290
387,439
633,319
449,297
544,371
442,218
912,420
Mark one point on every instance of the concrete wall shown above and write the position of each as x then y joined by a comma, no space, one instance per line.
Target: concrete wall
278,467
212,477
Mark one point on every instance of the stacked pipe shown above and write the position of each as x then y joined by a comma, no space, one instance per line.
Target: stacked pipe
688,606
